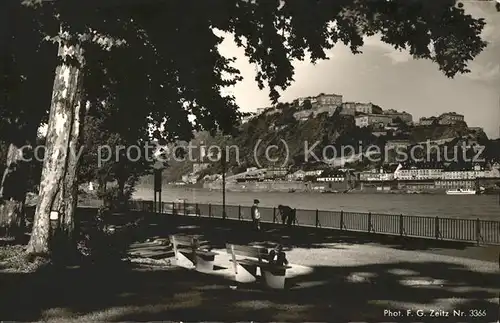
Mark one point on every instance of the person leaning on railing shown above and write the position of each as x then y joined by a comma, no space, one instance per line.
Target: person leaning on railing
288,215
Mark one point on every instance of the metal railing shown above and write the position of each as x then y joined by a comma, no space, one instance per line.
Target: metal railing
440,228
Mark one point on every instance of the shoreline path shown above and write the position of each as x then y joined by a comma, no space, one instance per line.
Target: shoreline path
352,281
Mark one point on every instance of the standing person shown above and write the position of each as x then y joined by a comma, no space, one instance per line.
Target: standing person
256,215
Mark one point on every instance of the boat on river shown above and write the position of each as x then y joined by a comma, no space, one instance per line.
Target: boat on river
461,191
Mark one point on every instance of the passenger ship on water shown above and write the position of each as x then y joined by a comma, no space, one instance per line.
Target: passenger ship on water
461,191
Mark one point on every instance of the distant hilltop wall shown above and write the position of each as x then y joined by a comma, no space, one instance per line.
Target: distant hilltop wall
275,186
258,186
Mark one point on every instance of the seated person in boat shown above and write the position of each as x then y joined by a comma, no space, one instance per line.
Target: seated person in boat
277,256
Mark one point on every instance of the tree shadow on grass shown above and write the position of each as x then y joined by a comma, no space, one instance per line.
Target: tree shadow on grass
352,293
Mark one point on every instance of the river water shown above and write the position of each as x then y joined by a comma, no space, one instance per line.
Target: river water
467,206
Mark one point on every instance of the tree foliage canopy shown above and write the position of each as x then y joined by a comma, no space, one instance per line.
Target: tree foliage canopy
169,66
26,69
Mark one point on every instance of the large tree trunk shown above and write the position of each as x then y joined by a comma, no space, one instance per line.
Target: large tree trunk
13,193
58,189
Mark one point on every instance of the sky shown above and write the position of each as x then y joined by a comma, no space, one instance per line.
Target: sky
392,79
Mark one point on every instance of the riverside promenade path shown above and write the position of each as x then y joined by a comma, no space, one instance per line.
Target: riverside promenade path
344,277
335,278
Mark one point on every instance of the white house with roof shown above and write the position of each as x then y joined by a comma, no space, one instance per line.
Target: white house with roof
313,172
414,173
296,176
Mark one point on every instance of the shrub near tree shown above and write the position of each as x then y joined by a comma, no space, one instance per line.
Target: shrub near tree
113,153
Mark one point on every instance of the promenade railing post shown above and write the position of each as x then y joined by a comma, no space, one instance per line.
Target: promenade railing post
185,208
197,210
369,221
274,215
239,212
295,217
173,209
341,220
317,218
478,231
209,210
401,225
436,228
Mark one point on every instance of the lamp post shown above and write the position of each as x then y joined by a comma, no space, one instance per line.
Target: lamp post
223,162
157,170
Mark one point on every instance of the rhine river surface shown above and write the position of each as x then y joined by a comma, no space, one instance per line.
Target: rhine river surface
467,206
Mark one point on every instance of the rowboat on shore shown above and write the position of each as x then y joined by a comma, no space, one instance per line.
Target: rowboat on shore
329,192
